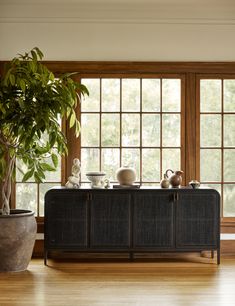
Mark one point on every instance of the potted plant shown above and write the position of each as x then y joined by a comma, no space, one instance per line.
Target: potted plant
32,101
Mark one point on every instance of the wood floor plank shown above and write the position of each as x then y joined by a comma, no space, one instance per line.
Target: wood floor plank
161,282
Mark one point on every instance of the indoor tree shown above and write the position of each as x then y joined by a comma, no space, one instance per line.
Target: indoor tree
32,103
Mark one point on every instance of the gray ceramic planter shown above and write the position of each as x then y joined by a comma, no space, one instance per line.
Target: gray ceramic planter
17,238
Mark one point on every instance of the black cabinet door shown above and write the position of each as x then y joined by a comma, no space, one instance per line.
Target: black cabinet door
197,214
110,220
153,221
66,219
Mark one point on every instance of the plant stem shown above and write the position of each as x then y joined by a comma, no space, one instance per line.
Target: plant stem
6,187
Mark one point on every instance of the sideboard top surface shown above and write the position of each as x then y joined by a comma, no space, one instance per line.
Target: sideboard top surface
182,189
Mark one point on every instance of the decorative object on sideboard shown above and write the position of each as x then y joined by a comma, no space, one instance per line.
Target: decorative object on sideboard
106,183
126,175
194,184
97,179
175,178
165,182
74,179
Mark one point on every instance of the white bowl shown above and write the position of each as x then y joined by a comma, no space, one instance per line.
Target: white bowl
96,178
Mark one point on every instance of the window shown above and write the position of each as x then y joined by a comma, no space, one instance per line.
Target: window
30,195
217,138
152,116
134,121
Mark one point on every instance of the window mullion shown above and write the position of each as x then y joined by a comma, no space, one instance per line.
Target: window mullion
222,149
141,134
160,128
120,123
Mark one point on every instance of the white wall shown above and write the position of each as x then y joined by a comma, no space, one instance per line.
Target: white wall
107,30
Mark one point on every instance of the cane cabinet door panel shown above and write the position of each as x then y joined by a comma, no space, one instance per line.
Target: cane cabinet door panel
153,219
66,219
110,220
197,219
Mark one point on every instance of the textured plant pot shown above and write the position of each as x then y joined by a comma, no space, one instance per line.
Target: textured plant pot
17,238
126,175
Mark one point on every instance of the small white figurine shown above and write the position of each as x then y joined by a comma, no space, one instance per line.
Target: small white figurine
106,183
76,168
74,179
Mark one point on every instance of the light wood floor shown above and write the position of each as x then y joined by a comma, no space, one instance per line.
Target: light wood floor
192,281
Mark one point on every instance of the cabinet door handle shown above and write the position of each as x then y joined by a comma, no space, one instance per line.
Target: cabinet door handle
89,196
175,196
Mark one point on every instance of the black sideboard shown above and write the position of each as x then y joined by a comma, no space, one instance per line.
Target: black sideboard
132,220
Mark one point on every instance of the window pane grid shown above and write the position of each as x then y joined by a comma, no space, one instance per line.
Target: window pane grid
30,195
140,105
223,133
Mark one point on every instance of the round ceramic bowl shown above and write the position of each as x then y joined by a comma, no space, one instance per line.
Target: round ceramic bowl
96,179
194,184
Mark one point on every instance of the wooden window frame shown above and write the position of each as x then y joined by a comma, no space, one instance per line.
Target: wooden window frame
228,223
189,69
141,76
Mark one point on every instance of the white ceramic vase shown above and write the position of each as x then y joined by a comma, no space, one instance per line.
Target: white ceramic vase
126,175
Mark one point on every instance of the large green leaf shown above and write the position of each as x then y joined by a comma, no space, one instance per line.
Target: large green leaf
72,120
54,158
47,167
37,177
28,175
39,52
12,79
52,139
22,85
40,173
34,55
